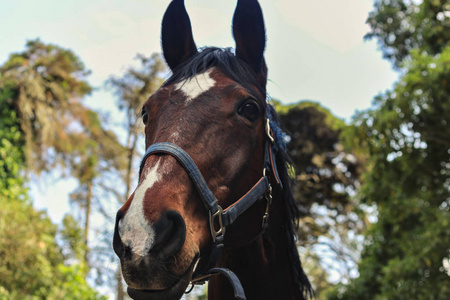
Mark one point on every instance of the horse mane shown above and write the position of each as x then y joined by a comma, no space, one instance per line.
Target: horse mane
292,211
225,60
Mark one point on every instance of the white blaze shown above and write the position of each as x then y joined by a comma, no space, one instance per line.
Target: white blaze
193,87
134,229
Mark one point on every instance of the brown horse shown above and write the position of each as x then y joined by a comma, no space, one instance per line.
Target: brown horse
213,200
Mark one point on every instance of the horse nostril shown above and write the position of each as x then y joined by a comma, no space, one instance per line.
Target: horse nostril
170,232
117,241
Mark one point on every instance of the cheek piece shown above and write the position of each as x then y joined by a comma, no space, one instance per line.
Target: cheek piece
220,218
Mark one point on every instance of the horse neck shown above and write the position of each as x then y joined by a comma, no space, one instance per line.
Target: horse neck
263,266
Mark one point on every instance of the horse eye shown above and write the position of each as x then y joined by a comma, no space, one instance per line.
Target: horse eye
249,110
144,116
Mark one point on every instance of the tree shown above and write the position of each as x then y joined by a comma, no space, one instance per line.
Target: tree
406,135
46,84
11,156
99,157
32,266
404,26
327,178
132,90
407,248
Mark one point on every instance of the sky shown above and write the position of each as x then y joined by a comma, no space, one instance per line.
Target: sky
315,50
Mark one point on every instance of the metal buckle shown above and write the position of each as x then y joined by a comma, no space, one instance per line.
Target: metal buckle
268,131
212,217
200,280
268,197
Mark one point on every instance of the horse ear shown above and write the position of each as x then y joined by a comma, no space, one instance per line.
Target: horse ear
176,35
249,33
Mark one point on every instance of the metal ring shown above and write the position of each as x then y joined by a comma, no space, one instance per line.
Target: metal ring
212,217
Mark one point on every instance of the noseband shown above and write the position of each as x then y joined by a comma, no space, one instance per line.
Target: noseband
220,218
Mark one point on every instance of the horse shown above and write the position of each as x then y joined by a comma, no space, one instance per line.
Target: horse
214,201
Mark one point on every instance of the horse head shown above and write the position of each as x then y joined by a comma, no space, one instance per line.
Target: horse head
208,168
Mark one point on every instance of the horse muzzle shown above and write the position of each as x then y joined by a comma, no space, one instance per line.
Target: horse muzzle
173,292
151,264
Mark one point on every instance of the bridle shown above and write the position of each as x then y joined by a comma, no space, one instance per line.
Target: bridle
220,218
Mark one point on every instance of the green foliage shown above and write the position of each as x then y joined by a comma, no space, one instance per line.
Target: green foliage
408,180
28,251
11,156
406,138
329,119
401,26
32,265
72,285
45,85
72,236
327,178
327,173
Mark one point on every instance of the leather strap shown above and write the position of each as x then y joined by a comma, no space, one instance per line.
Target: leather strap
235,283
233,211
191,168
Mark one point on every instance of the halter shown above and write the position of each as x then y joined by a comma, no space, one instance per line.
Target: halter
220,218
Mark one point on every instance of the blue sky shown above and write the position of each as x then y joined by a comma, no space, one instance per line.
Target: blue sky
315,49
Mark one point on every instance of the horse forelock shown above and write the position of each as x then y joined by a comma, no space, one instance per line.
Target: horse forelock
224,60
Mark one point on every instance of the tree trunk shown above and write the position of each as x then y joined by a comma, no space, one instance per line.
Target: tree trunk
120,294
86,226
132,143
